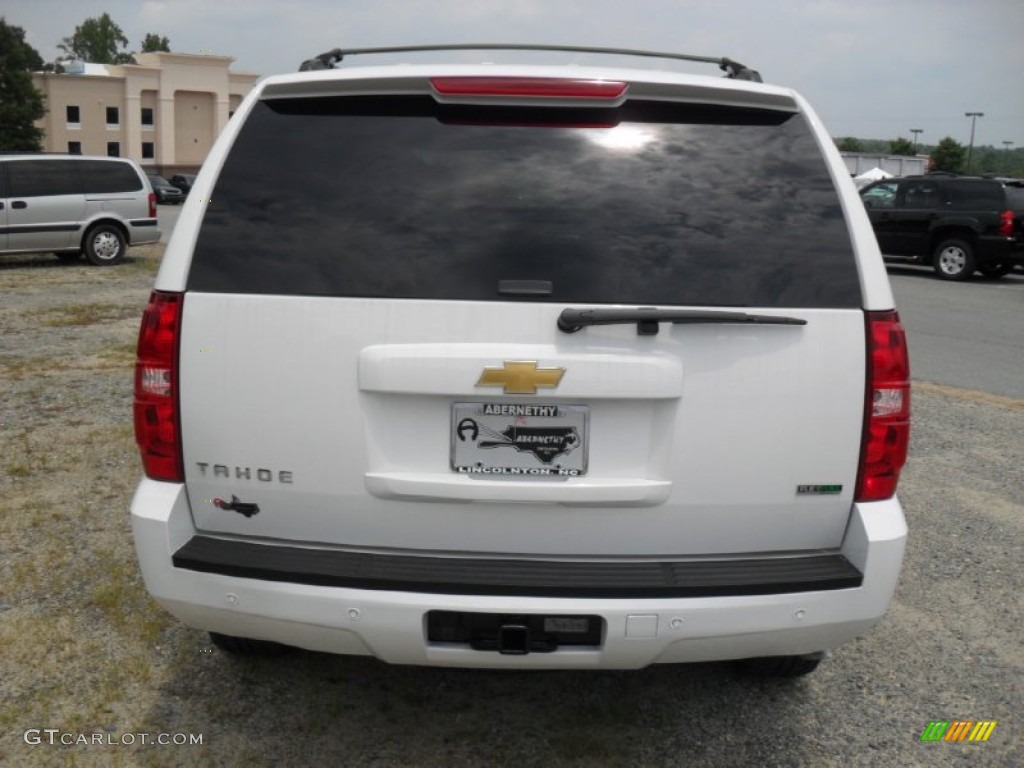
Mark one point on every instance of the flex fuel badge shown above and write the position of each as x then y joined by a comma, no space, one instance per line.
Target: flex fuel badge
818,490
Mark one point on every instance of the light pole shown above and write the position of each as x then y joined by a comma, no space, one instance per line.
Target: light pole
916,131
970,147
1007,144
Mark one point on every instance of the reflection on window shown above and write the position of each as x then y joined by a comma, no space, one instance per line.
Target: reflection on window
624,138
880,196
921,195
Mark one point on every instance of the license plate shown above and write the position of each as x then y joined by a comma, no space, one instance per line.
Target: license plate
527,440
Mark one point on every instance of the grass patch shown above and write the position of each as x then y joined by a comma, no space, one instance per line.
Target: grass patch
118,354
26,459
85,314
119,432
122,600
146,266
79,702
17,369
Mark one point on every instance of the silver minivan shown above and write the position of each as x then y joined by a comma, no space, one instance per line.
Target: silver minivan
72,205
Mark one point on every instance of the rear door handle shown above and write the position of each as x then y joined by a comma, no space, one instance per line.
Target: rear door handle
19,204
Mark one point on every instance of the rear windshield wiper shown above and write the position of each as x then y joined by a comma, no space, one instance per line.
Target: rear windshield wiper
647,318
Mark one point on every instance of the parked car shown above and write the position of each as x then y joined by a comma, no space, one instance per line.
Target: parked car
183,181
523,367
165,191
956,224
75,204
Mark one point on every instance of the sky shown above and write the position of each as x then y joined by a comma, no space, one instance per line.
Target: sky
871,68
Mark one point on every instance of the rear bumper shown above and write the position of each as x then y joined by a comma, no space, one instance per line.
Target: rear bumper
143,231
676,625
995,249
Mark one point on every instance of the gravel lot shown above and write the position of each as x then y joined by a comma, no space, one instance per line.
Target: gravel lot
86,652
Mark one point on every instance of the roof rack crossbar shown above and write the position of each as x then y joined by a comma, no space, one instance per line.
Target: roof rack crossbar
733,69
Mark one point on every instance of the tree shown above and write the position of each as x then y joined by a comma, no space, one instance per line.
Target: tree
154,42
850,144
21,104
98,40
901,146
988,160
948,155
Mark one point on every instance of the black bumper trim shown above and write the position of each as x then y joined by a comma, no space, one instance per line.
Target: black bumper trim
540,578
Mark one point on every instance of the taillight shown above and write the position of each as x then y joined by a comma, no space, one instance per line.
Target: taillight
157,425
152,205
1006,223
565,88
887,418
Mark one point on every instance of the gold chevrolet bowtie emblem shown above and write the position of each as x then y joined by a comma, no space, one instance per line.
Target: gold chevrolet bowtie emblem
521,378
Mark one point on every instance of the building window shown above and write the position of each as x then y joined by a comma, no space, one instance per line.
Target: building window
147,150
74,116
74,147
113,117
113,149
147,117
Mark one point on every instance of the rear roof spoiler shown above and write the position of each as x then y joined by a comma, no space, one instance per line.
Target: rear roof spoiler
732,69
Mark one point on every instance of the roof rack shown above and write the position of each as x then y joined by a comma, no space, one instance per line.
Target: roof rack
732,69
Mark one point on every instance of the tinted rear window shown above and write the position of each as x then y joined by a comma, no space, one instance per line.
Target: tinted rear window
975,195
647,204
39,178
100,177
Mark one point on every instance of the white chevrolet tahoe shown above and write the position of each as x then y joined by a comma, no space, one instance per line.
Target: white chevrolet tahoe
523,367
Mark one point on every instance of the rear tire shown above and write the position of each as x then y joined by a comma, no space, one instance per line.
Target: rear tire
782,666
245,646
104,245
954,260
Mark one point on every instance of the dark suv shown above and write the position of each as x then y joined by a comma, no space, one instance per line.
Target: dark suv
957,224
165,191
183,181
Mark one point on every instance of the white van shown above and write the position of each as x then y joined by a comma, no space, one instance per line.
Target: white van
73,205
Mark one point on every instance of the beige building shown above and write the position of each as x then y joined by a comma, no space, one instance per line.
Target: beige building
164,111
